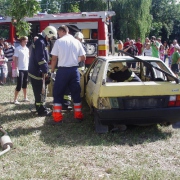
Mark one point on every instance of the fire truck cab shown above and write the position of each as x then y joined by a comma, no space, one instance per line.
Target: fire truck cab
95,26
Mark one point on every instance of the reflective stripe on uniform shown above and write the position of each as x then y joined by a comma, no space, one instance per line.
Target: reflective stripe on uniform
129,79
42,62
67,97
77,104
34,77
38,104
57,108
57,104
77,107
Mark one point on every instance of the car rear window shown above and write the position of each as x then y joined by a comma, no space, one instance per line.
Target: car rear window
142,71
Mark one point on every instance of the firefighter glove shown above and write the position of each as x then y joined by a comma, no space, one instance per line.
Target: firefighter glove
48,78
53,76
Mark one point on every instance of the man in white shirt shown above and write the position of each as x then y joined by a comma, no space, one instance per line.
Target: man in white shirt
67,49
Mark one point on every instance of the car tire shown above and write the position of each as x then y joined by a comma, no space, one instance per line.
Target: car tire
99,127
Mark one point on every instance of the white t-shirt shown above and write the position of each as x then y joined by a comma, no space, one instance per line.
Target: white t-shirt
68,49
22,53
147,52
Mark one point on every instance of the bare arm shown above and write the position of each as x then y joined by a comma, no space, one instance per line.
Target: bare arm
82,58
125,50
53,63
178,60
156,46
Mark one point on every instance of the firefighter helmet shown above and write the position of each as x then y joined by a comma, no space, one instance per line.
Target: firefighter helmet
80,36
50,31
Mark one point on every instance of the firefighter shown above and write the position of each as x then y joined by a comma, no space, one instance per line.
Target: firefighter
80,37
67,49
38,67
122,73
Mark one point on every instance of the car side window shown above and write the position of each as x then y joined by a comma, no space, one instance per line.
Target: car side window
96,71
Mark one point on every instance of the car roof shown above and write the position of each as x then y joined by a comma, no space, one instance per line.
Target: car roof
127,58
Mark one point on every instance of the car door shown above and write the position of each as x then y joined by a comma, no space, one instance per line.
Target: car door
92,87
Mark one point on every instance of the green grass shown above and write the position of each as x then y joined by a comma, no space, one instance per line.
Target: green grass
76,152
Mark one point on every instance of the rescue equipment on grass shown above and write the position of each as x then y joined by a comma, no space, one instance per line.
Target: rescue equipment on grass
5,141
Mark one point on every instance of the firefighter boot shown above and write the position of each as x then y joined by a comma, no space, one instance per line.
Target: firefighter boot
43,111
77,112
57,115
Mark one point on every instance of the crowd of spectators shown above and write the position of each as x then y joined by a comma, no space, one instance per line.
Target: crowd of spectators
6,59
153,47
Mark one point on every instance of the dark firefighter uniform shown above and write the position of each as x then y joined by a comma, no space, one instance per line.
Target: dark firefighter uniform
123,75
38,66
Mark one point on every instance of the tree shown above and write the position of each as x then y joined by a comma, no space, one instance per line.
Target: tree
50,6
93,5
18,10
132,18
165,13
4,5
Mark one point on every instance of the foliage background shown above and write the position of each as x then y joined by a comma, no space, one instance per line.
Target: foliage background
134,18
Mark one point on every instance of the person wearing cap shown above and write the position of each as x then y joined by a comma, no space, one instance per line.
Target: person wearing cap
38,68
175,60
21,59
67,50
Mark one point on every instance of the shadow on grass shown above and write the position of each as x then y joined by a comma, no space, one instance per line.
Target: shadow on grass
5,118
72,134
83,134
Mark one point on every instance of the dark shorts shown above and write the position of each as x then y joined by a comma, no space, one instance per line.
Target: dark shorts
175,68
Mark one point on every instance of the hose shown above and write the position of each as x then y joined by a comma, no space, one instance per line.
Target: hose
6,150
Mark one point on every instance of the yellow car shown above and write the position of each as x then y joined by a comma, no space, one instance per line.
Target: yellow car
126,90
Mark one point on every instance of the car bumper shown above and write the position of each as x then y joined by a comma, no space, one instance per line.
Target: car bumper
140,116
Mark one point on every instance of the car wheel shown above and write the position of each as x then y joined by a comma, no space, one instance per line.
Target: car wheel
99,127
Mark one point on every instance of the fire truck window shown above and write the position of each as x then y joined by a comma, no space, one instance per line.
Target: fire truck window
94,34
4,31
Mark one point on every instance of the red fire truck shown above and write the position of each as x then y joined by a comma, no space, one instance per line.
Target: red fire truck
95,26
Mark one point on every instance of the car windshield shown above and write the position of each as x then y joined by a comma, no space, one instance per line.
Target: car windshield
136,71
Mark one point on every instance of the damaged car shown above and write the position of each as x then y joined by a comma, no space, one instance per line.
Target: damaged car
118,94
